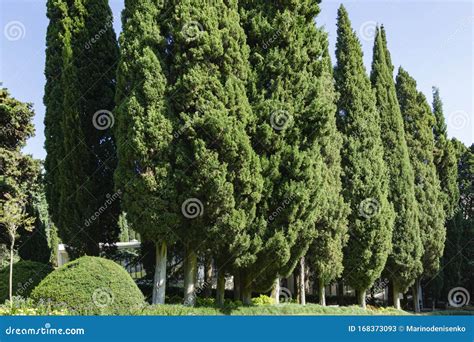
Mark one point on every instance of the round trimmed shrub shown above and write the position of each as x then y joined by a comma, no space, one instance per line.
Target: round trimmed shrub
26,275
90,285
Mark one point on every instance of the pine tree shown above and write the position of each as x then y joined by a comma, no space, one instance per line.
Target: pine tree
88,207
53,101
365,184
294,100
404,262
418,123
215,168
144,134
445,158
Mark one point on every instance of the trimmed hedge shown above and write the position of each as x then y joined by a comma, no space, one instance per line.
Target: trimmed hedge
90,285
26,275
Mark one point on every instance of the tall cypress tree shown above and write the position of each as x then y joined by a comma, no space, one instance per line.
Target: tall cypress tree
445,157
88,208
53,101
293,98
144,134
418,123
404,262
365,184
215,168
326,252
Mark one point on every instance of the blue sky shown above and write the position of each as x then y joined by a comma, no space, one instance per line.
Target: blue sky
432,40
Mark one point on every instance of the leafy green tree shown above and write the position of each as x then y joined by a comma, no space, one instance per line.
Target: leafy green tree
293,97
365,183
418,123
88,207
19,174
144,134
404,262
215,170
445,158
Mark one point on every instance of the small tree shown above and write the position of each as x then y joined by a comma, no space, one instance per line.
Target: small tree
12,216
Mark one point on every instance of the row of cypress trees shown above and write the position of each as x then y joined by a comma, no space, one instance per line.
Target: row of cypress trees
236,137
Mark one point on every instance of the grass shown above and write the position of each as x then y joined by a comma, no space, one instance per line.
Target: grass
266,310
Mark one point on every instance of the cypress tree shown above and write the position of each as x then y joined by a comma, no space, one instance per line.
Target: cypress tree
215,168
418,123
404,262
365,184
326,252
144,134
88,208
293,97
445,158
53,101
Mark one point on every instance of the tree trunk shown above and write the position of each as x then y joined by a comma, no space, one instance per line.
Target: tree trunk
302,283
237,295
208,278
220,289
276,291
340,293
361,294
322,292
190,273
396,296
159,284
10,280
390,293
416,296
246,290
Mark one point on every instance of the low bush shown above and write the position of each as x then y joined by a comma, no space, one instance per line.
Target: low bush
263,300
90,285
26,275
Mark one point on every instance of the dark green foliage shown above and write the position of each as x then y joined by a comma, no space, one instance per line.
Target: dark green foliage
143,129
37,245
53,101
89,285
26,275
19,173
213,158
292,95
445,158
404,262
418,123
458,265
15,122
365,184
86,159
